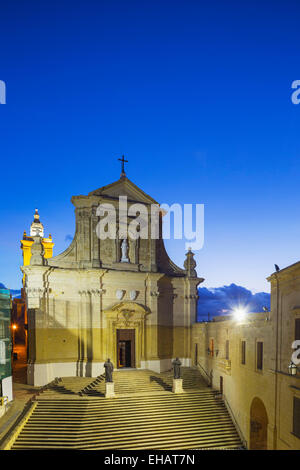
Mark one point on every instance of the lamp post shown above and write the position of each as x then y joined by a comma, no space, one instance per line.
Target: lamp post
292,368
14,327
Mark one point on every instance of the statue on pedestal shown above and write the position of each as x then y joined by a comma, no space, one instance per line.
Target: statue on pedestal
124,248
108,371
176,367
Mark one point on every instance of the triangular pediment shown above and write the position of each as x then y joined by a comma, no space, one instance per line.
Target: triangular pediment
123,187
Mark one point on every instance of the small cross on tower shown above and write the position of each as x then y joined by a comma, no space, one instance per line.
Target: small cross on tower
122,160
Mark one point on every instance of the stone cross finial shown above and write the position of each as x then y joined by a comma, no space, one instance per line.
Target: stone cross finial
122,160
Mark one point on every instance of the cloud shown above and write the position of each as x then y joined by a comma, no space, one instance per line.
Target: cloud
15,293
221,300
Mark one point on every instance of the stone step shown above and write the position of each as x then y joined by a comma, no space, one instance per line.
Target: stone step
126,382
150,420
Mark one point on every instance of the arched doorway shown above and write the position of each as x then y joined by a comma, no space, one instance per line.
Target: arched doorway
125,334
125,348
258,425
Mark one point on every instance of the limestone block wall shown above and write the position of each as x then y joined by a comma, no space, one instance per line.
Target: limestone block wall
241,382
87,250
285,303
73,316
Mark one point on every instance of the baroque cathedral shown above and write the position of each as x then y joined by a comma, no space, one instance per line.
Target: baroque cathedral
105,298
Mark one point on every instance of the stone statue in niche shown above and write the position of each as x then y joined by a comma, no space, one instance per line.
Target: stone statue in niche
124,249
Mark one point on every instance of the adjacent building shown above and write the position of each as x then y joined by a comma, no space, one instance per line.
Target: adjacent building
6,392
249,360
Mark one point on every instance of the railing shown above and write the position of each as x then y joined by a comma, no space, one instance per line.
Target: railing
224,364
235,422
207,376
12,434
296,376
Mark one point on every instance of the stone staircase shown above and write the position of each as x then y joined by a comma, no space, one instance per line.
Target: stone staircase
144,415
127,381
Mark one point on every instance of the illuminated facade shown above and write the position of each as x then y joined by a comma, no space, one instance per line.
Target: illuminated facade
125,300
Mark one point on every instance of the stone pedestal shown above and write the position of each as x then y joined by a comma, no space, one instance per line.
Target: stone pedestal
109,390
177,386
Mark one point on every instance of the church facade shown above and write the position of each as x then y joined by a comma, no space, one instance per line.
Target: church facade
111,298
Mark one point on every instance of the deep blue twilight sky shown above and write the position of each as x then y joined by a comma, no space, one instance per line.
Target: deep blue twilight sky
196,94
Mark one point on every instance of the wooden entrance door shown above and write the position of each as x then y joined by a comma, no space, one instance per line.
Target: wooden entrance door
125,348
221,384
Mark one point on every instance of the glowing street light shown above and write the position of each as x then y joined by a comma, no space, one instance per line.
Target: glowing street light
239,313
14,327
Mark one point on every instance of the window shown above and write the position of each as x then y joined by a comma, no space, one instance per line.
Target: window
227,350
243,350
259,355
2,352
2,329
296,417
297,328
211,347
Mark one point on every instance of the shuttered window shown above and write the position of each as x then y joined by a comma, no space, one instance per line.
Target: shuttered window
227,349
211,347
296,417
243,351
259,355
297,328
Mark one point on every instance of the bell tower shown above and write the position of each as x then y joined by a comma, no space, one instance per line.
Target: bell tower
36,229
